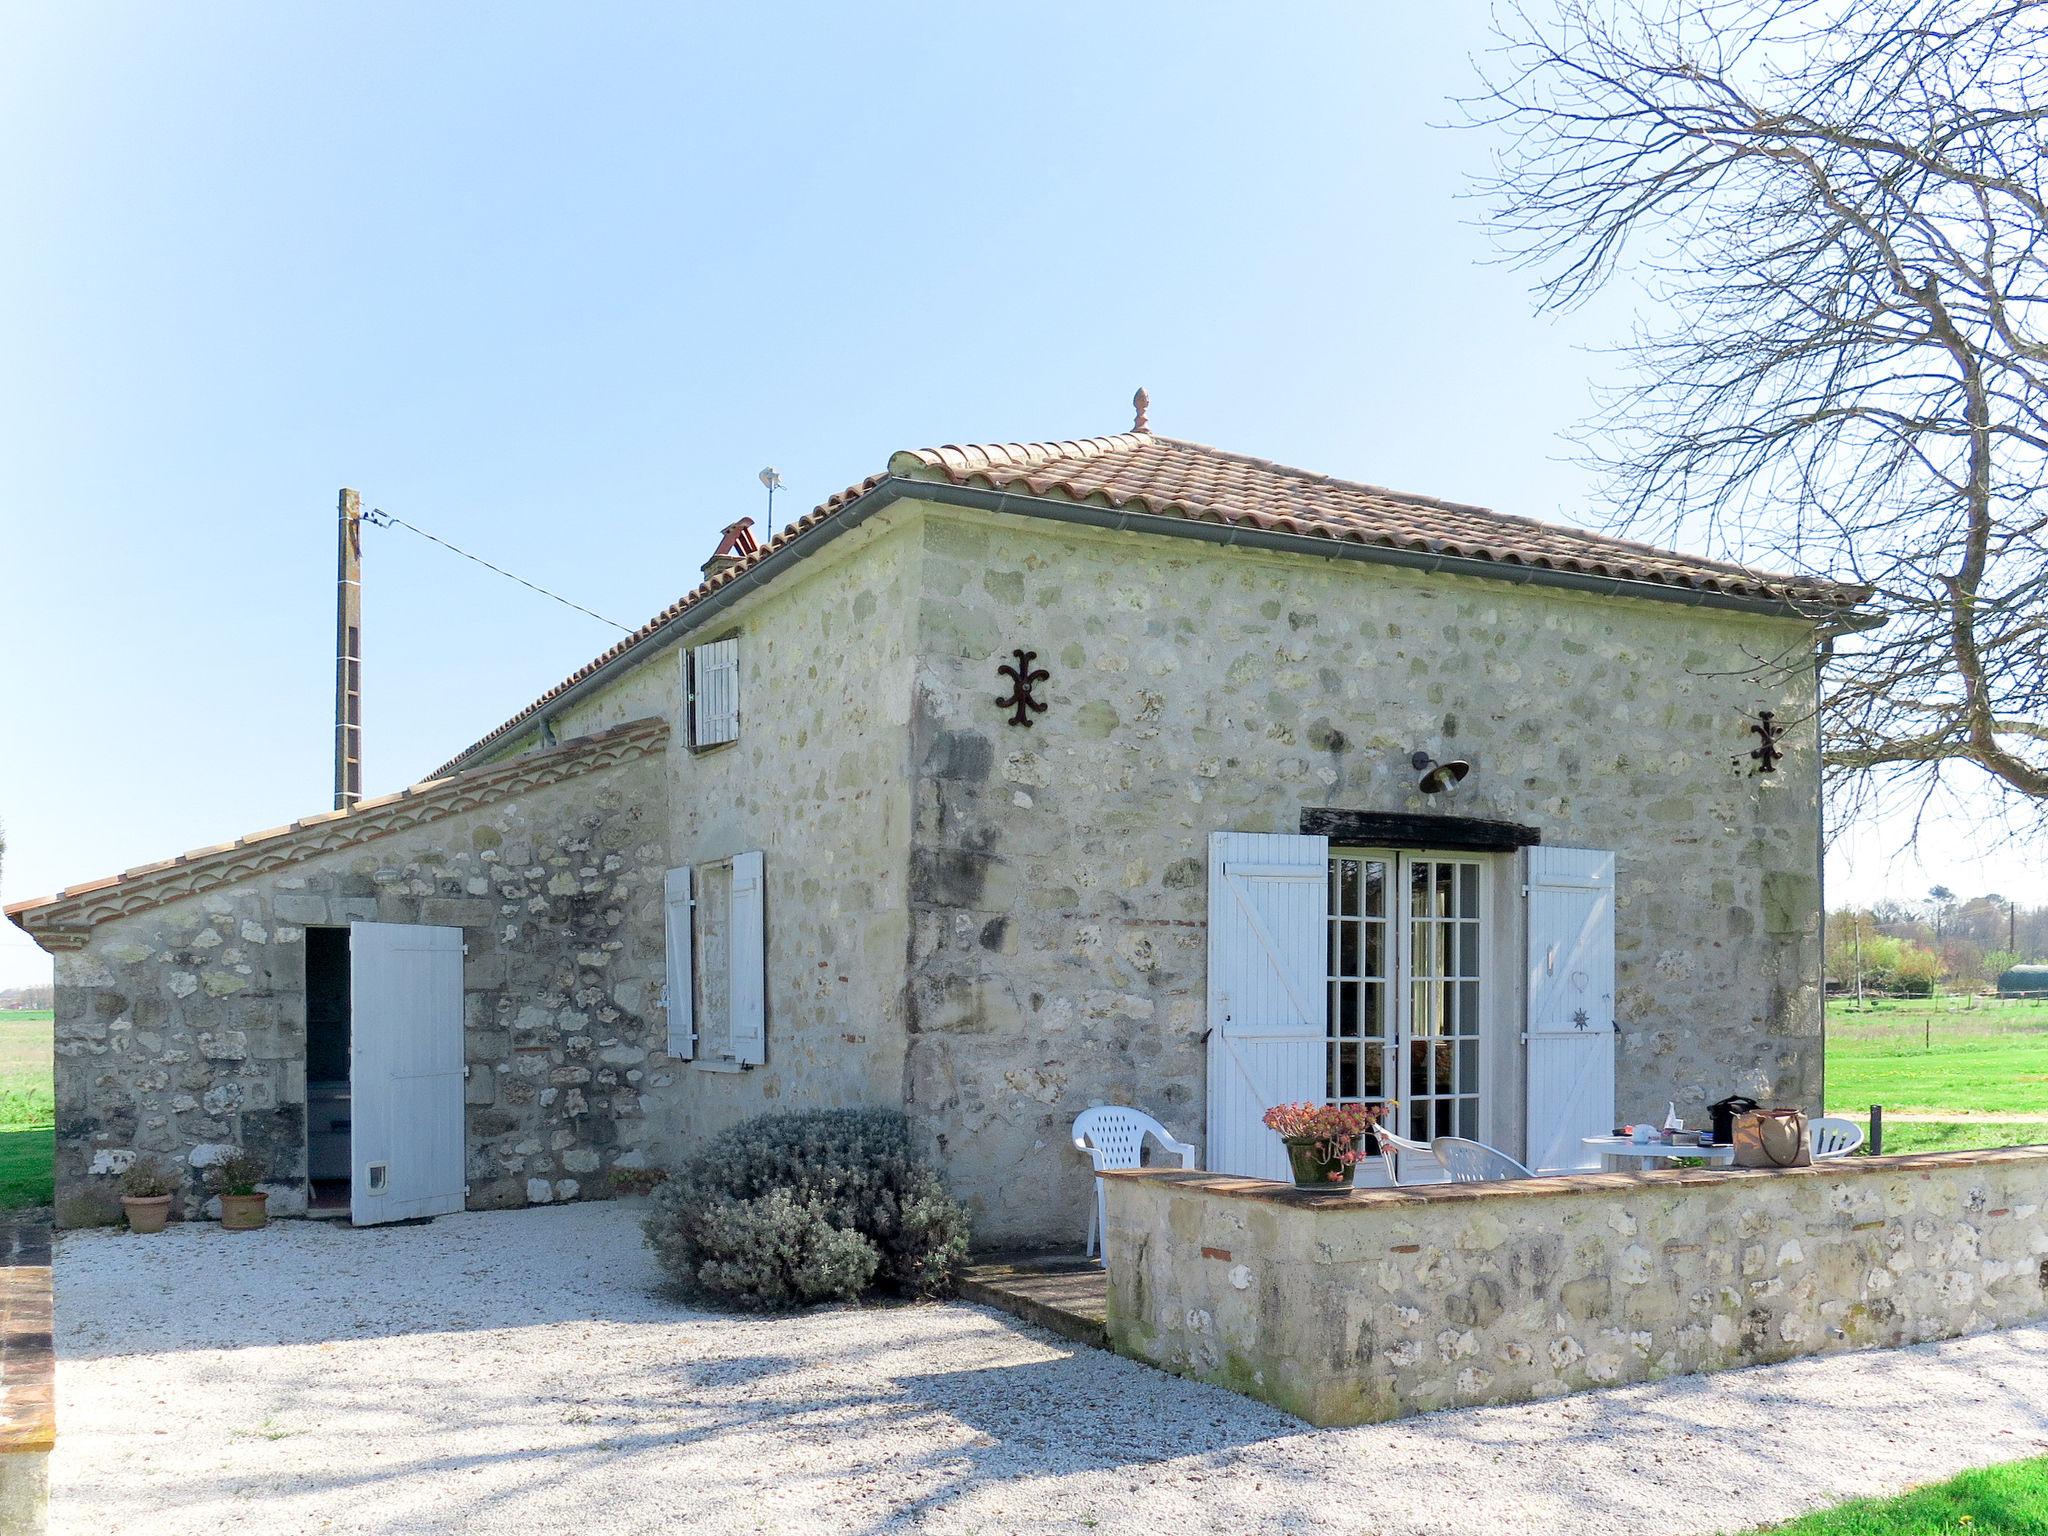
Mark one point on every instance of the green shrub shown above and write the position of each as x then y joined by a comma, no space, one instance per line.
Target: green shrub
778,1252
807,1206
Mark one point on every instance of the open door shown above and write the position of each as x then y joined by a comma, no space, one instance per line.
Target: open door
1269,902
405,1072
1571,1005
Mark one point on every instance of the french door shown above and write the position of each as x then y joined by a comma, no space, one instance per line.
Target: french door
1408,935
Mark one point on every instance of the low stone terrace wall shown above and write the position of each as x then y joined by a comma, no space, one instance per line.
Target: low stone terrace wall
1350,1308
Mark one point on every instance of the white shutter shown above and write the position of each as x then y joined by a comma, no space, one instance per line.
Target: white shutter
406,1141
715,693
747,952
1571,1005
680,995
1269,899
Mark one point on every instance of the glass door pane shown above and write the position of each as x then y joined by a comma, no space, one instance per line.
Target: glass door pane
1359,1041
1440,1094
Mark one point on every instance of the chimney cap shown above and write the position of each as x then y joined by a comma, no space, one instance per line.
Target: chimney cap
735,544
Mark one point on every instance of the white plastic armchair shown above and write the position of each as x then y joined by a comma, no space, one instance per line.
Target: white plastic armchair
1833,1136
1474,1162
1113,1136
1391,1143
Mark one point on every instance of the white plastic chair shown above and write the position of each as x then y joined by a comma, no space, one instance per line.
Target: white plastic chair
1474,1162
1113,1136
1833,1136
1390,1144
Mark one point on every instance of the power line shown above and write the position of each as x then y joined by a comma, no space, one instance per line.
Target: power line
377,517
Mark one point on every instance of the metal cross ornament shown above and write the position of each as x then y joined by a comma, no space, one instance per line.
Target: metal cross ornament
1767,752
1023,679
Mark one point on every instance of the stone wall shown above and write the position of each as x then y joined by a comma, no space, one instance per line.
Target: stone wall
181,1027
1347,1309
819,782
1058,873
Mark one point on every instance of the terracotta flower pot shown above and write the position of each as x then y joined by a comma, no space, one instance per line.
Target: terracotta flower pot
244,1213
146,1213
1319,1162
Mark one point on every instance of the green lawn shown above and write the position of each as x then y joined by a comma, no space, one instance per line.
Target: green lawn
1941,1057
2011,1500
28,1109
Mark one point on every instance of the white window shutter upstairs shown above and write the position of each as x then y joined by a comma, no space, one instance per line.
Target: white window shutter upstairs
681,992
748,952
1571,1027
1269,898
715,693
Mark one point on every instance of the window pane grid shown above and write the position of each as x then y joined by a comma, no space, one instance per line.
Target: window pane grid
1356,1034
1443,998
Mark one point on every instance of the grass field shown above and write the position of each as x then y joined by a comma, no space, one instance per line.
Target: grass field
1949,1076
2011,1500
28,1109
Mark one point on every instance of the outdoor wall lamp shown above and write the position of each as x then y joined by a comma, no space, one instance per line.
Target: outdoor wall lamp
1438,777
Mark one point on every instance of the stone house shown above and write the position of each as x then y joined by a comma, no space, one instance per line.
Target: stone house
1299,788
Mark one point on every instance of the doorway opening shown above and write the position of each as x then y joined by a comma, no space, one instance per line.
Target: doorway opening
328,1089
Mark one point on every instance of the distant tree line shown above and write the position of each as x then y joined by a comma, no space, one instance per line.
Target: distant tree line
44,997
1910,946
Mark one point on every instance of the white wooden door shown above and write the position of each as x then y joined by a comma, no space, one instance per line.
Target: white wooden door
1571,1005
405,1072
1268,917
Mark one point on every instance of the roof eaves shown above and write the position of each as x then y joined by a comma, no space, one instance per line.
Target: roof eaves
65,920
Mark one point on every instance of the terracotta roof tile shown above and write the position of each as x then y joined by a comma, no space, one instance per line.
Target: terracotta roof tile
63,920
1168,477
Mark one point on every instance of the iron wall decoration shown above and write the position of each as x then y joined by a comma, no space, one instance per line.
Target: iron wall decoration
1766,752
1024,680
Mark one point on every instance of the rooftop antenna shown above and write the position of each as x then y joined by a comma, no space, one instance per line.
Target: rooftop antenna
772,478
348,653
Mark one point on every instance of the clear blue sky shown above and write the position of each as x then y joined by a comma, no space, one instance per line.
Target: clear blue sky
555,282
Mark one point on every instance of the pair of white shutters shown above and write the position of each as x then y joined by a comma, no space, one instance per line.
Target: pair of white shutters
746,963
1269,996
715,693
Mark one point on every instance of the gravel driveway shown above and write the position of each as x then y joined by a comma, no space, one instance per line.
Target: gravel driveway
518,1372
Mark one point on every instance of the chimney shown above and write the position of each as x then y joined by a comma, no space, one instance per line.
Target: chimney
734,546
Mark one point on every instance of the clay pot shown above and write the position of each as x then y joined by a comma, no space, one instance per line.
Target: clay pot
244,1213
146,1213
1319,1162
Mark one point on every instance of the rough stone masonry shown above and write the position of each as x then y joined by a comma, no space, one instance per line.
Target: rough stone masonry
182,1027
1346,1309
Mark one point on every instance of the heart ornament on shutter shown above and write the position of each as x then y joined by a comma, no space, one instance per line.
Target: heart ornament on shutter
1579,979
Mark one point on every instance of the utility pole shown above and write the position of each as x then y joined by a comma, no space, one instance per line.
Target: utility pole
1857,920
348,653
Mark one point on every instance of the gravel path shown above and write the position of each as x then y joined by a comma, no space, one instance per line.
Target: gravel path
519,1372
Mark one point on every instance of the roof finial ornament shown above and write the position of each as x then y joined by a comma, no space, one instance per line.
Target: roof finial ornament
1141,403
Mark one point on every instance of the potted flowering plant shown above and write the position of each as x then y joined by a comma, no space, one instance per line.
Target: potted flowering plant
1325,1142
147,1187
234,1178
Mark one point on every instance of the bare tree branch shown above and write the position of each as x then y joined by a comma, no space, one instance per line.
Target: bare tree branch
1842,210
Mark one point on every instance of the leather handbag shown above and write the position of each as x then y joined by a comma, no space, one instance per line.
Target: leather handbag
1772,1138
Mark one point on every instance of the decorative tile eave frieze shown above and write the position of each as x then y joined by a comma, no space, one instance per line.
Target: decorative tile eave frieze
65,921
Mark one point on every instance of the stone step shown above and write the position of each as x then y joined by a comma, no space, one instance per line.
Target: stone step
1063,1294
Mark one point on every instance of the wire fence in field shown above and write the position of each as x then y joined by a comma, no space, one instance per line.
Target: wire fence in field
1932,1021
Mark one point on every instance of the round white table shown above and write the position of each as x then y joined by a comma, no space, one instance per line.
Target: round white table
1617,1152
